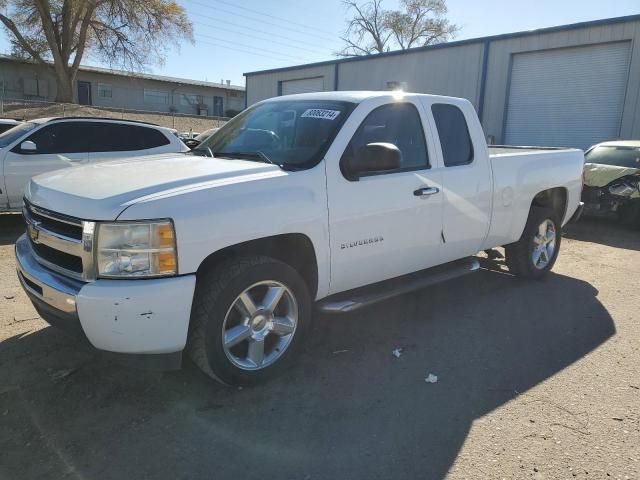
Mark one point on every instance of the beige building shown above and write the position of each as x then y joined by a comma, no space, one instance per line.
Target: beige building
572,85
23,80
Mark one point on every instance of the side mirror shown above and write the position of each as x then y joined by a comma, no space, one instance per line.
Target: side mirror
28,147
375,157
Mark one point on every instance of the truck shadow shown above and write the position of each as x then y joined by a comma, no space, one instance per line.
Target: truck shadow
604,231
11,227
347,409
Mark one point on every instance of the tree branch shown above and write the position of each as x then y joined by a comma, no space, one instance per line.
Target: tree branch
82,36
20,39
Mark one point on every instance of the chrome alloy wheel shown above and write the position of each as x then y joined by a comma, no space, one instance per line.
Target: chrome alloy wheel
259,325
544,244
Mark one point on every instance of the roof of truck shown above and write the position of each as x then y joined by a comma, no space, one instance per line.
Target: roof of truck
355,96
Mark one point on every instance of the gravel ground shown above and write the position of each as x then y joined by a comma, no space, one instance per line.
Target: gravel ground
535,380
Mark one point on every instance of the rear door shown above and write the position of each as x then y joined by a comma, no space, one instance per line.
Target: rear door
110,140
58,145
379,227
466,176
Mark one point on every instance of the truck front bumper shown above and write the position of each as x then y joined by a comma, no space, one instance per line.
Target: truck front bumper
144,321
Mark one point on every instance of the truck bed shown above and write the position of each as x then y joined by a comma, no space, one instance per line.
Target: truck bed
521,172
508,149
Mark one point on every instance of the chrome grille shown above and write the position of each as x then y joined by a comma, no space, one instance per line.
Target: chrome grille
60,242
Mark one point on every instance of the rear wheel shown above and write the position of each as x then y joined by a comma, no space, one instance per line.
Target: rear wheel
534,255
249,317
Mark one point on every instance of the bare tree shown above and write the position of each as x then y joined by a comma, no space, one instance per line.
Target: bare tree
367,31
126,33
372,29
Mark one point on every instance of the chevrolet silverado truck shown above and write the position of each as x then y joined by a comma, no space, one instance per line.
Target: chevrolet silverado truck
332,201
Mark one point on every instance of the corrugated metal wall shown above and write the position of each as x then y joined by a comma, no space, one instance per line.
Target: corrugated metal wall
499,67
457,71
452,71
260,87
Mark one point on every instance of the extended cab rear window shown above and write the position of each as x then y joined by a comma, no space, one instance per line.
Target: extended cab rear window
457,148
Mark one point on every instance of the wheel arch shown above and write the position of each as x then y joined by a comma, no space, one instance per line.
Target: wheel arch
555,198
294,249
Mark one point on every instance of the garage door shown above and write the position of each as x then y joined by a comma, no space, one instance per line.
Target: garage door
303,85
567,98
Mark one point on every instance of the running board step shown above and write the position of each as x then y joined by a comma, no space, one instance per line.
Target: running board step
360,297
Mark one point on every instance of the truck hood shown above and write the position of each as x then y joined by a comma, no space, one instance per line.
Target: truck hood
101,191
599,175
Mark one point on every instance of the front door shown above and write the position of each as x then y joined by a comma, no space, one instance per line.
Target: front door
84,93
380,225
58,145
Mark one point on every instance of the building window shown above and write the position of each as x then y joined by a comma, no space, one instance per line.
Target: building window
188,99
31,87
104,90
35,88
156,96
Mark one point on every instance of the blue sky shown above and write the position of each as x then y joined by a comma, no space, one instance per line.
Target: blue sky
236,36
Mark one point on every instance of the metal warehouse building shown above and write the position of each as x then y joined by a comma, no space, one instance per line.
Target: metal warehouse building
573,85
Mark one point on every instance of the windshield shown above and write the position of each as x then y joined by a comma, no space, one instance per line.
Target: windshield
294,134
15,133
619,156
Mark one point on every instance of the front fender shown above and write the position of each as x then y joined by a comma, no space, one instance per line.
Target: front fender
209,219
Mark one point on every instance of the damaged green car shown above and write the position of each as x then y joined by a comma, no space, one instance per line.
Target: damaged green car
612,181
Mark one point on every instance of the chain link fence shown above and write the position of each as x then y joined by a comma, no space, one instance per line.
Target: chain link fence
30,109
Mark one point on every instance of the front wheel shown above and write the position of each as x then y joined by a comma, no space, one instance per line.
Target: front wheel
248,320
534,255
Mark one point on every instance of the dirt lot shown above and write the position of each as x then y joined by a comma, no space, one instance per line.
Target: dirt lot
535,380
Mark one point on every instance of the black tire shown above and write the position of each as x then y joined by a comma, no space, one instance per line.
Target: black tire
519,255
216,290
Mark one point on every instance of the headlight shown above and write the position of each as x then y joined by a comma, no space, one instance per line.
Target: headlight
136,249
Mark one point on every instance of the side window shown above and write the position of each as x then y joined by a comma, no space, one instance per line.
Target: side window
115,137
457,148
396,123
63,137
149,138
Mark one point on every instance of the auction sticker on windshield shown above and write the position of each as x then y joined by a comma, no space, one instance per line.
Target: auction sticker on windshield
321,113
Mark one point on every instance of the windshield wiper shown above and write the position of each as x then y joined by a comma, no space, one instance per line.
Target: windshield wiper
260,156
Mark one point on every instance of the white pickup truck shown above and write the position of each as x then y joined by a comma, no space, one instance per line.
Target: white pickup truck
342,198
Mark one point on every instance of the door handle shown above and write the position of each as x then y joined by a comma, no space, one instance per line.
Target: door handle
426,192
